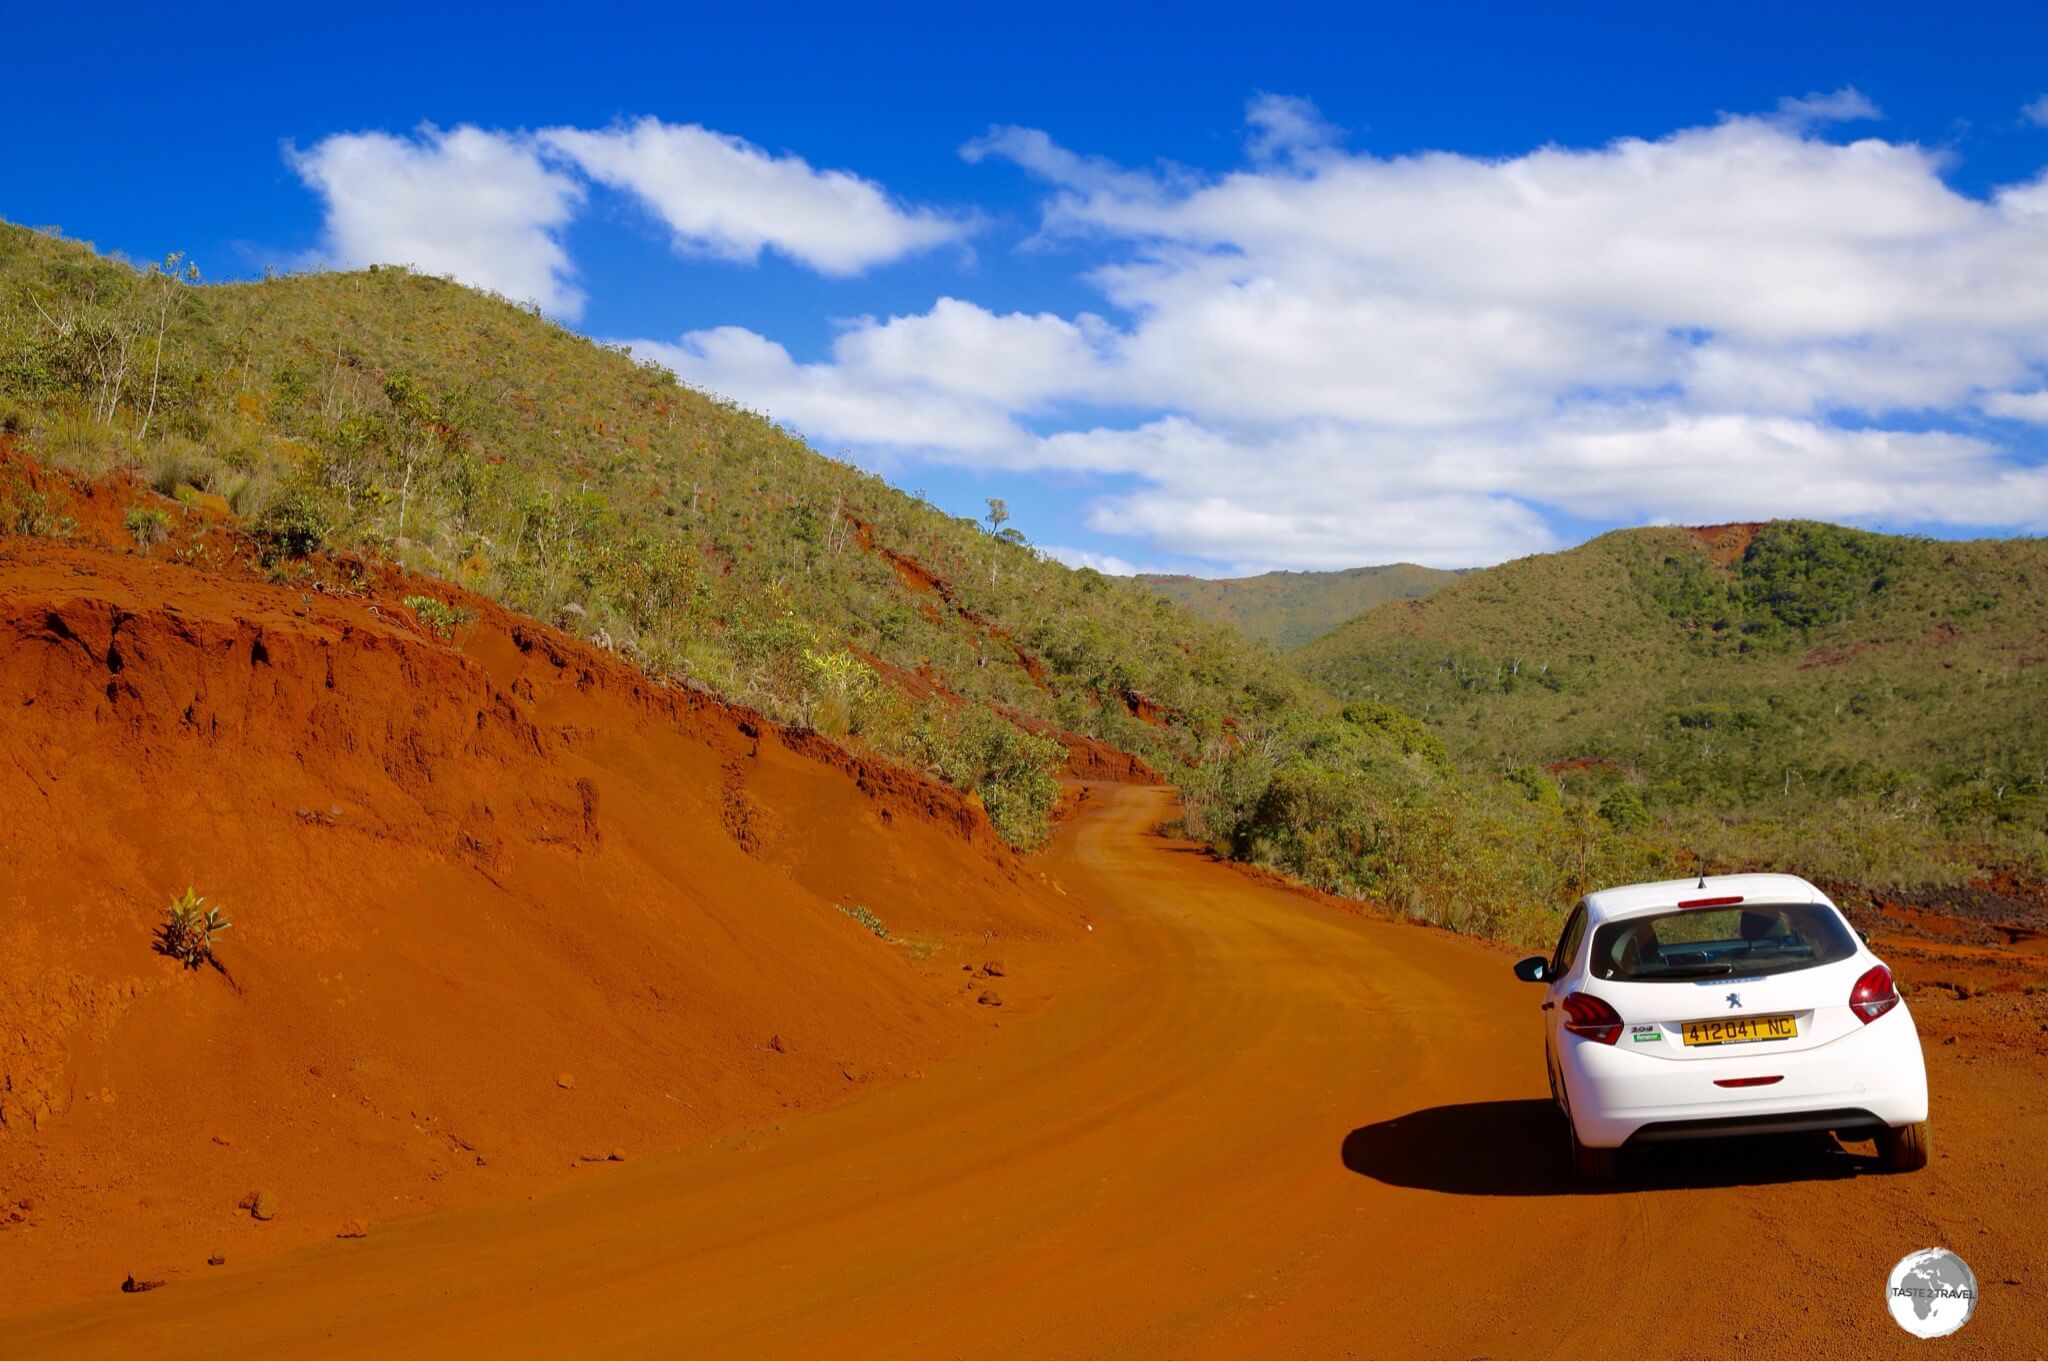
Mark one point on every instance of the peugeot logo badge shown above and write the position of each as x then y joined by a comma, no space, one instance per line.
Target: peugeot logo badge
1735,1000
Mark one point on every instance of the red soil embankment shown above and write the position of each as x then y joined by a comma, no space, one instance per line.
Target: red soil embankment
500,906
1087,758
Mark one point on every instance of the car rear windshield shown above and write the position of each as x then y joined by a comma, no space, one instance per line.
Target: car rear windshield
1705,943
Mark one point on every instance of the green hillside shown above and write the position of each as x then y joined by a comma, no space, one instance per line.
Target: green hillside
1819,685
1287,609
469,438
389,413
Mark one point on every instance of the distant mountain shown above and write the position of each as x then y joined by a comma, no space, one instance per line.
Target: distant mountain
1288,609
1793,672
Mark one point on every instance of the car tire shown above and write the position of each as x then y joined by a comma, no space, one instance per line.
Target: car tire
1903,1149
1590,1166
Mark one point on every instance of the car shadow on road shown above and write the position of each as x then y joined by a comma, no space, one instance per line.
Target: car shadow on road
1517,1149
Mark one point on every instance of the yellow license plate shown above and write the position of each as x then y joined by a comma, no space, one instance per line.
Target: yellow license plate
1739,1030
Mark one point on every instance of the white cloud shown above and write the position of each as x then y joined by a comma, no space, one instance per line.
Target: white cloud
948,383
1014,359
1311,497
831,404
724,197
1284,127
1302,500
1327,358
2036,112
2029,406
1035,150
1730,466
473,204
1324,357
1846,105
1106,563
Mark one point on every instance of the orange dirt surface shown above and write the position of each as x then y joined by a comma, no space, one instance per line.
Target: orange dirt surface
1581,764
1726,543
1145,709
1242,1122
500,907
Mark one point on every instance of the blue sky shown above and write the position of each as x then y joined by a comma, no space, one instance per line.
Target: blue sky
1238,287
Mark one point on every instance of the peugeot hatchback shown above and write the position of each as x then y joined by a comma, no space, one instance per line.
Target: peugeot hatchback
1737,1006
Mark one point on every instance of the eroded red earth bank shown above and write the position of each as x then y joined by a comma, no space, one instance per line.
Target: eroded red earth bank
500,905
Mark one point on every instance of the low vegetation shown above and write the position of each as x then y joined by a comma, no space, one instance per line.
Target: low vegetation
1859,705
439,616
149,525
865,916
189,927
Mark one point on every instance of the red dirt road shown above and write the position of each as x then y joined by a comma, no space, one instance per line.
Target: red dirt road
1243,1122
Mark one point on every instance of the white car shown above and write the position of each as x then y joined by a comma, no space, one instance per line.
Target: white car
1741,1005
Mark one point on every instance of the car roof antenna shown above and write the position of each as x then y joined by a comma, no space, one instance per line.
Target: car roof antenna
1703,871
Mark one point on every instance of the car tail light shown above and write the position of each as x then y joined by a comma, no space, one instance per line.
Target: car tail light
1763,1082
1724,901
1874,995
1591,1017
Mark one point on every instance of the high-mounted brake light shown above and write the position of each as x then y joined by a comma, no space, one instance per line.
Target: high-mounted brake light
1591,1017
1874,995
1722,902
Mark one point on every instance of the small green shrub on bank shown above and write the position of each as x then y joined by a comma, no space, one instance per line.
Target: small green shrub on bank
865,917
440,618
148,525
188,930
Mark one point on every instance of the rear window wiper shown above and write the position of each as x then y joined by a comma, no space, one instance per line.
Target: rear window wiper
1692,972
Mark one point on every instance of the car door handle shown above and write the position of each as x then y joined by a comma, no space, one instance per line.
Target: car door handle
1548,1006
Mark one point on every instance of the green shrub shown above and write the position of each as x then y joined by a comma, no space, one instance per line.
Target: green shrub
1014,773
865,917
1623,808
188,930
840,687
440,618
1404,728
24,510
148,525
296,524
1534,785
1803,575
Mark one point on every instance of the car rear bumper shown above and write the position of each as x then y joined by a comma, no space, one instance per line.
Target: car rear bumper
1852,1121
1870,1078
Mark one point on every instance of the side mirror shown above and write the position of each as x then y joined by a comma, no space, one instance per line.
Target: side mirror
1532,970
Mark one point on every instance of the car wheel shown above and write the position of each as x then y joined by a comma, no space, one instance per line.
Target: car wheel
1589,1165
1903,1149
